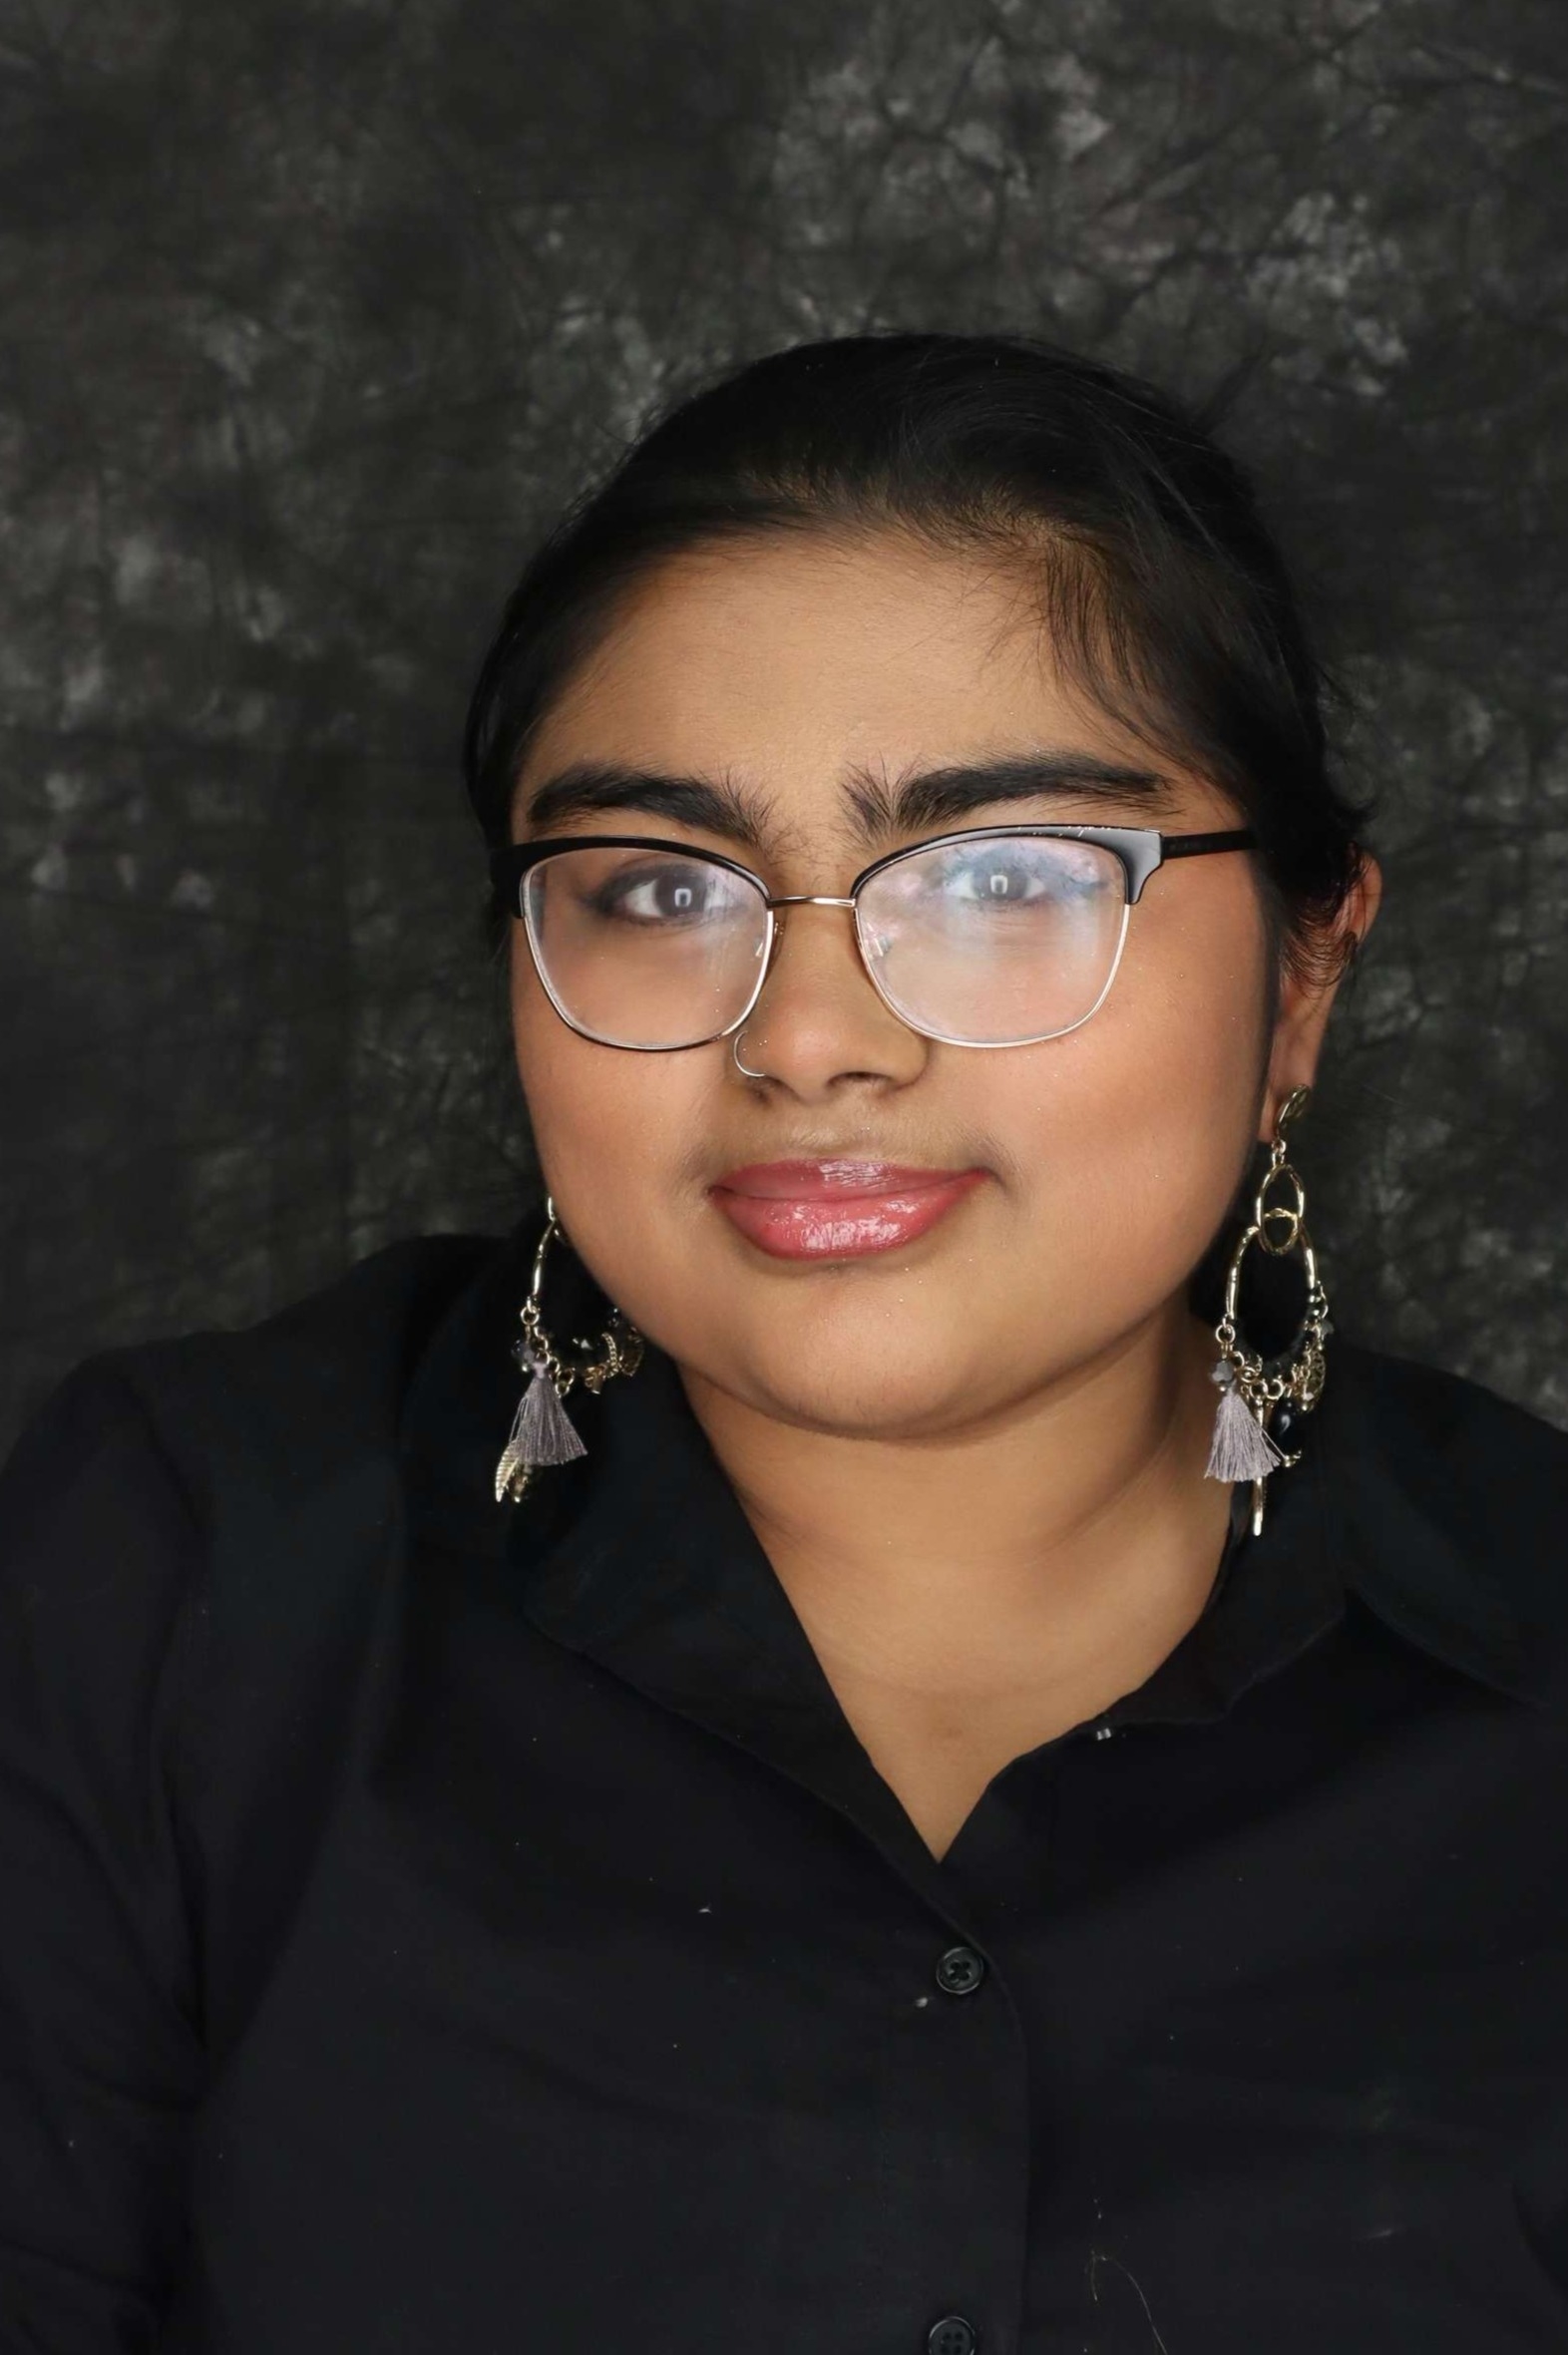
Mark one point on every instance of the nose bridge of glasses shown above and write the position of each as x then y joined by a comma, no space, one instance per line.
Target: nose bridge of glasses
776,930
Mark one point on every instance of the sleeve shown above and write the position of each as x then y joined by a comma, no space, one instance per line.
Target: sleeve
99,2050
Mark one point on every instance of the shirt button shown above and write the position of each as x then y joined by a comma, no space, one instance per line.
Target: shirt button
952,2336
959,1972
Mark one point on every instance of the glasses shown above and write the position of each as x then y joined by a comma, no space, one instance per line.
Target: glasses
1001,936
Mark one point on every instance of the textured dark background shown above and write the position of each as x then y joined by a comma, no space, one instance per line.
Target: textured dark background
313,311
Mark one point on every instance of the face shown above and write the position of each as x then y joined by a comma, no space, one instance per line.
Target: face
808,679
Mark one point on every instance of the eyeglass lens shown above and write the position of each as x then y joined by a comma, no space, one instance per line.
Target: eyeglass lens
992,942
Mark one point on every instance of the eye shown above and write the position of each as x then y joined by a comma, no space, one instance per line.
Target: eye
1033,873
1001,882
665,894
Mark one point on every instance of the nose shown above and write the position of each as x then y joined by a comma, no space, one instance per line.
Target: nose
820,1022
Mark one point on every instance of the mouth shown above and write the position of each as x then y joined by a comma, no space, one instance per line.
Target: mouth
838,1209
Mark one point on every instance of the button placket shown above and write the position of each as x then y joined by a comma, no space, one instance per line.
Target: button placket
968,2186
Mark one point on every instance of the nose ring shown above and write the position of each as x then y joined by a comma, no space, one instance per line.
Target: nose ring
739,1065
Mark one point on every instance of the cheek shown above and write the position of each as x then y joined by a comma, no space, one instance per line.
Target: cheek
612,1130
1128,1135
1169,1118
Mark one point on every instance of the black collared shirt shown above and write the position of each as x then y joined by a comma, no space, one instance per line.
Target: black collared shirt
440,1928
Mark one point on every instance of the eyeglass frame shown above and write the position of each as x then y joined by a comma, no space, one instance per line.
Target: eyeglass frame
1140,852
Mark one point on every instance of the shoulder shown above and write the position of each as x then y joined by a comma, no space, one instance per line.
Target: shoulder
1476,1474
1426,1408
213,1442
294,1396
197,1533
286,1397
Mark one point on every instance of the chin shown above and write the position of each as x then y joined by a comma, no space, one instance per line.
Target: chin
919,1404
890,1377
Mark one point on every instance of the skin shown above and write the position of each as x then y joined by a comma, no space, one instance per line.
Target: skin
975,1462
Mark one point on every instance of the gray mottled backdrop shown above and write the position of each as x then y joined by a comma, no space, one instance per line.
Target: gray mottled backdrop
314,308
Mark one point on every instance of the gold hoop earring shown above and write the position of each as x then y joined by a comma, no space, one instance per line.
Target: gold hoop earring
542,1431
1254,1388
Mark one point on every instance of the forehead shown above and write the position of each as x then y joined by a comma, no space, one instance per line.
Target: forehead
798,654
799,669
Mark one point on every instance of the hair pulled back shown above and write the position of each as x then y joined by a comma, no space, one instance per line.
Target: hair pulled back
1162,591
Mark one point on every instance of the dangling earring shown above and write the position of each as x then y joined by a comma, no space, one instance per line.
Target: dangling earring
542,1431
1252,1387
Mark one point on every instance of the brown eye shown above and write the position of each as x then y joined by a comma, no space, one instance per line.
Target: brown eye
662,894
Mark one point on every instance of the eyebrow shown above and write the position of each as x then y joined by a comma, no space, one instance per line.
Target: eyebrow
592,788
879,808
939,796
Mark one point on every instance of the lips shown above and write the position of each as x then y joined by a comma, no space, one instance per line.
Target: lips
838,1209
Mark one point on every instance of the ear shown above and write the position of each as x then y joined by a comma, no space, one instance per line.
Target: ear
1306,1002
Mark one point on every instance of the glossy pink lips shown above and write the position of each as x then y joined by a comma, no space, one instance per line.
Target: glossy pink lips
838,1209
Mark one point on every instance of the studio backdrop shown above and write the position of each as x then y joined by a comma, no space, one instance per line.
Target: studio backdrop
314,310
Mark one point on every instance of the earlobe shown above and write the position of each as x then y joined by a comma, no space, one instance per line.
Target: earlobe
1299,1027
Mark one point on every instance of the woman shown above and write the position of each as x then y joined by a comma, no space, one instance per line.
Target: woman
926,1782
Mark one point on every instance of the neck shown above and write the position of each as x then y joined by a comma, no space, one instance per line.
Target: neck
1071,1537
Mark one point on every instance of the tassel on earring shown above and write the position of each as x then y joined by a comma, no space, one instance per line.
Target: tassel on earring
542,1433
1251,1388
1241,1449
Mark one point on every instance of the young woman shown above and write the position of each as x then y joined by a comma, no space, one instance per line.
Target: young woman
837,1743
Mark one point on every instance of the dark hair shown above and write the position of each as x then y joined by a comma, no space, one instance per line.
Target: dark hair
1161,586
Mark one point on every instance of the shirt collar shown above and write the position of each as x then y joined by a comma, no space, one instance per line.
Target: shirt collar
640,1555
636,1555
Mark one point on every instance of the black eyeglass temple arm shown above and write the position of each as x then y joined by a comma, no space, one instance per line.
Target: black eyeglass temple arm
1193,846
